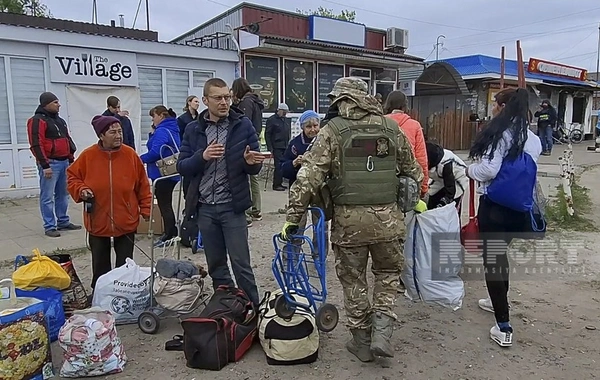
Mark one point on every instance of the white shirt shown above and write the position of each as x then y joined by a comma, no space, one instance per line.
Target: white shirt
486,170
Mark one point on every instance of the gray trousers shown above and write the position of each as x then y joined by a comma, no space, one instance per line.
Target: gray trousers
225,233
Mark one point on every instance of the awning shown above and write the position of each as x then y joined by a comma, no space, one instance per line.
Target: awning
441,78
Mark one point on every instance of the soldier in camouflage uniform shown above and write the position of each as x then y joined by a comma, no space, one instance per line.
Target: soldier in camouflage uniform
359,154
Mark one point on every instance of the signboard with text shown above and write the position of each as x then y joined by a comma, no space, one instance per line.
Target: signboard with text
557,69
95,67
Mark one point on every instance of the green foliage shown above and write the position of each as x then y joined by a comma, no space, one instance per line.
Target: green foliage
345,14
29,7
558,217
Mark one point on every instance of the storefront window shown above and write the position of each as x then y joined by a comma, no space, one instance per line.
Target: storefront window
299,85
327,75
151,94
4,120
263,75
364,74
27,75
178,85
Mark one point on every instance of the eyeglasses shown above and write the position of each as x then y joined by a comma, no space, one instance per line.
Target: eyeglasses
220,98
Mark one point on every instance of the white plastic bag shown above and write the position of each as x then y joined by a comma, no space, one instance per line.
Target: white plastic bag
124,291
433,257
92,347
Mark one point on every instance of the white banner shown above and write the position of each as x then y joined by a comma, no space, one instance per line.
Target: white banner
90,66
85,102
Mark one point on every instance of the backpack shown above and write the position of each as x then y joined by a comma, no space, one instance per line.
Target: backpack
287,341
222,333
514,185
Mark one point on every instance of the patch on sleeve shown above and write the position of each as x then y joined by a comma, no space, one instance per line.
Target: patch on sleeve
294,150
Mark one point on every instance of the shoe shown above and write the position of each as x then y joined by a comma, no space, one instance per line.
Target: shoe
249,221
256,216
381,335
360,345
52,233
503,338
279,188
486,304
69,227
401,287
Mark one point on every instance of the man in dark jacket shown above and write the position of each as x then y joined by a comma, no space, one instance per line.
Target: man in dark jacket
221,147
53,149
546,122
277,137
113,108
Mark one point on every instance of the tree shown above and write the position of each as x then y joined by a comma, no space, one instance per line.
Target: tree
345,14
25,7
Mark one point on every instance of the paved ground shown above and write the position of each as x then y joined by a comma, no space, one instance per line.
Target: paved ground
555,317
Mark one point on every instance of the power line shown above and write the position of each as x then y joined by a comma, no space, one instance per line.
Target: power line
574,46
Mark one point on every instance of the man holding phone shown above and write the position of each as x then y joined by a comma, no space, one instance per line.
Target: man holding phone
218,154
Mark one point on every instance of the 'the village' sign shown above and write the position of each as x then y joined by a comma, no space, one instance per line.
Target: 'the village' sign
90,66
545,67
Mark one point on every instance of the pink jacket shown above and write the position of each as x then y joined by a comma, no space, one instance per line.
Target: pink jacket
412,129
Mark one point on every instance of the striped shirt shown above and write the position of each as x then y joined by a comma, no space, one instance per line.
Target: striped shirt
214,186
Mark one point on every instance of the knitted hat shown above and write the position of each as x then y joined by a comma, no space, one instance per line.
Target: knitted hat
47,98
102,123
307,115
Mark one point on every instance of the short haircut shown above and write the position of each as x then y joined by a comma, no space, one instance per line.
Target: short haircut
112,101
213,82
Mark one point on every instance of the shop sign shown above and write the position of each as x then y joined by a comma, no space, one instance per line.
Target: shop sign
90,66
551,68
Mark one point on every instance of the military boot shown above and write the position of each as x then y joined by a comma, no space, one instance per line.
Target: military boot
360,345
381,335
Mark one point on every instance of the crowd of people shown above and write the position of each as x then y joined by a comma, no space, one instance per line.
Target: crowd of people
356,153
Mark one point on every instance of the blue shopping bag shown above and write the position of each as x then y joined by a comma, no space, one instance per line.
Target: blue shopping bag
54,310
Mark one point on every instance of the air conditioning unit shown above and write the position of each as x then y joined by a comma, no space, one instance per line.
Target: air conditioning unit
396,38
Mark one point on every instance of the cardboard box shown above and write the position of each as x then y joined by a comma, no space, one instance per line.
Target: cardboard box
157,222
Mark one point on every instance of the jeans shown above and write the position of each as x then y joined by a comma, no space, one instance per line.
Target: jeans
100,247
164,198
226,233
545,134
54,198
277,175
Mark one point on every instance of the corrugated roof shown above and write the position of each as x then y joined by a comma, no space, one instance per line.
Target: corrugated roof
76,27
330,46
483,64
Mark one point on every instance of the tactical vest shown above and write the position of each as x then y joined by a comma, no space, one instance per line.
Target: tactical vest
367,163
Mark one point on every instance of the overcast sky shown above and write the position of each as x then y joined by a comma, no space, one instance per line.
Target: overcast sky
555,30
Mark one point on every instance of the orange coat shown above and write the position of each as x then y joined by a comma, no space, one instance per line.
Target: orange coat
413,131
121,189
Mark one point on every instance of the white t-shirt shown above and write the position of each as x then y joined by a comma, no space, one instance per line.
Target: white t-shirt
486,170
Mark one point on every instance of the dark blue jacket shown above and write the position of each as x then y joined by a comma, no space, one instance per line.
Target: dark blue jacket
158,143
128,136
240,134
183,120
297,147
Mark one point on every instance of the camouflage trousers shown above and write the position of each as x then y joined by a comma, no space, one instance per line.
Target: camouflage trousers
351,269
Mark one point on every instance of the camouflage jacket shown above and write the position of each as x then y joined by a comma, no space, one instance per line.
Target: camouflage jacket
351,225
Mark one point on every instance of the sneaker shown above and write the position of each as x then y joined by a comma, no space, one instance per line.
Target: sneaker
486,304
256,216
249,221
69,227
52,233
503,338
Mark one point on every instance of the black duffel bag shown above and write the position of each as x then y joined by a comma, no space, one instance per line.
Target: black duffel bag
223,332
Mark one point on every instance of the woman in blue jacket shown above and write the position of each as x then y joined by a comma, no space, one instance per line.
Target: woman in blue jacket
163,141
292,158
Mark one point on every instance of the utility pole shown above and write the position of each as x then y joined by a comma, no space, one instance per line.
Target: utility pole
437,46
598,55
147,17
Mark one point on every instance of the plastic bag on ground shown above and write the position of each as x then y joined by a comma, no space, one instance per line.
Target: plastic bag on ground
124,291
433,257
91,345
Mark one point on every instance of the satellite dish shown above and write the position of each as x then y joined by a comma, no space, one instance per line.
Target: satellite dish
253,28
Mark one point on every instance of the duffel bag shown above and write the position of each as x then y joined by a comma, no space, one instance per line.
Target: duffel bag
287,341
223,332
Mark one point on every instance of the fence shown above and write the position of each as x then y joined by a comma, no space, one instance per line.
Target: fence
451,129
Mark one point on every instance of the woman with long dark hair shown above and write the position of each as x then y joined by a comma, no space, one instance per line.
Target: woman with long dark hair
504,140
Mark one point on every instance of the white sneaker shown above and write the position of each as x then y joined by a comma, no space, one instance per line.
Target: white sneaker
504,339
486,304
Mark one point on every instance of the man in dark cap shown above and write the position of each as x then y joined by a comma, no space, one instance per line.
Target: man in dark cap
53,149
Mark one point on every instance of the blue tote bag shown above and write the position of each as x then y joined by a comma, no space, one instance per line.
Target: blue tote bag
514,184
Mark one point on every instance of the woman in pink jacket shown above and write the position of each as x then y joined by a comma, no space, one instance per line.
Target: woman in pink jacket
394,108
